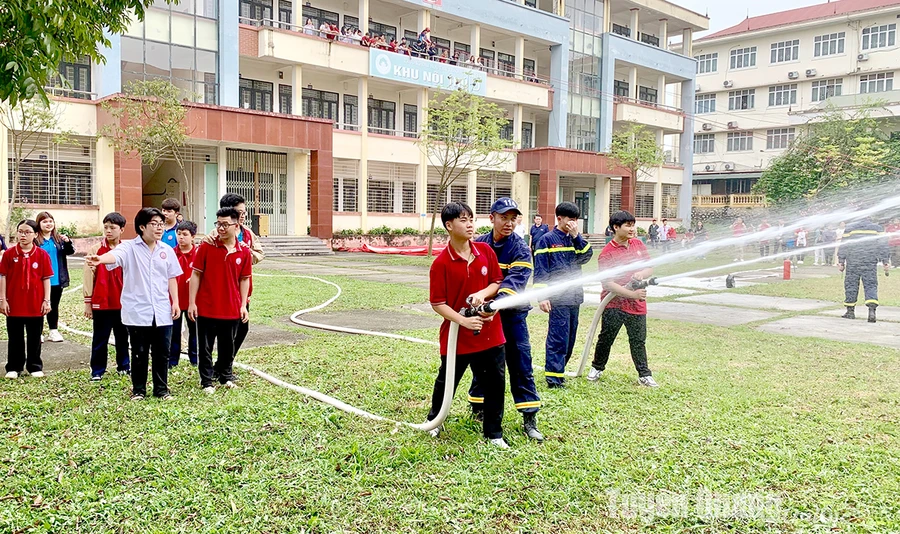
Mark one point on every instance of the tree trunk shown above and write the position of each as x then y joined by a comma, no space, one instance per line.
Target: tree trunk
431,232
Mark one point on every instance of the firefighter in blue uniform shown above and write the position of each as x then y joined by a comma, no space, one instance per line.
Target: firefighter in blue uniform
859,262
514,257
558,257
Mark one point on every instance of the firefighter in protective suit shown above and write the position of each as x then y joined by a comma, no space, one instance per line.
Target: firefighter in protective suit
514,257
858,259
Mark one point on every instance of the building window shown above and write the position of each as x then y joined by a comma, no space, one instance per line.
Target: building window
487,58
823,89
785,51
346,181
779,138
705,104
285,93
53,173
620,88
441,44
318,16
829,45
351,113
73,80
651,40
876,83
256,94
506,63
582,132
463,50
743,99
783,95
879,36
743,58
527,135
648,94
285,13
506,131
381,196
624,31
670,197
643,200
256,10
381,116
704,143
615,195
410,121
740,142
707,63
408,200
490,186
528,68
319,104
377,28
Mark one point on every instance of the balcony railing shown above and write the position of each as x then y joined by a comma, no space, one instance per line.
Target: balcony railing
70,93
729,201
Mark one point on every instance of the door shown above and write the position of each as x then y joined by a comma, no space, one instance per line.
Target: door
583,201
261,178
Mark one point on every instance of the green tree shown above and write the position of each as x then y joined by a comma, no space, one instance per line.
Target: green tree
635,148
36,35
838,149
149,121
27,122
461,134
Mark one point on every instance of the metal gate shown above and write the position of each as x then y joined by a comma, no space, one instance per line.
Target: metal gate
261,178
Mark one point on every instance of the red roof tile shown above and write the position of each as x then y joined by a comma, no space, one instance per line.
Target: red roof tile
803,14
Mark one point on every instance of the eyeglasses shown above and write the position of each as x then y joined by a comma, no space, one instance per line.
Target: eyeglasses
224,225
25,232
156,224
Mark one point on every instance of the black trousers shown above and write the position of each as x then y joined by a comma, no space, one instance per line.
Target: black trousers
488,367
53,317
106,322
636,326
856,272
241,334
20,356
144,341
210,332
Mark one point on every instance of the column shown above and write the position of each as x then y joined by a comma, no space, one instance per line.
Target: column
635,23
633,83
605,189
520,56
362,190
297,15
129,185
229,54
628,184
657,197
661,88
559,73
363,15
664,34
471,188
475,40
321,213
547,189
222,158
599,216
686,153
422,169
424,19
517,126
296,90
521,192
298,178
688,40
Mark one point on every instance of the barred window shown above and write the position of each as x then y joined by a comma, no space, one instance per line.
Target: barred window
643,199
648,94
829,45
742,58
319,16
670,194
489,187
52,173
707,63
620,88
256,94
615,195
346,182
320,104
783,95
740,142
381,196
822,89
377,28
882,36
743,99
393,186
704,143
780,138
705,103
785,51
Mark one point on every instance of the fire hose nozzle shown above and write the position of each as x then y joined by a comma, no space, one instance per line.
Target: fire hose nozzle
642,284
474,311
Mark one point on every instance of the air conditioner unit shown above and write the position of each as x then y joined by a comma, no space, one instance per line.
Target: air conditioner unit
733,125
793,75
862,57
728,83
811,73
707,126
710,168
697,89
729,166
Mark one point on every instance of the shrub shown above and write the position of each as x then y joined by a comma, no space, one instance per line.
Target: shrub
349,233
439,231
409,231
481,230
381,230
641,231
68,230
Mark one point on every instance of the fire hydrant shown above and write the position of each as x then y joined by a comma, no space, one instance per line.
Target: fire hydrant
787,269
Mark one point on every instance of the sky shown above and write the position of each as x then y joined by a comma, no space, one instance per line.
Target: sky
724,14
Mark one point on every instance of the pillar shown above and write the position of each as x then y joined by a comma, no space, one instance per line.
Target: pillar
422,169
628,186
599,216
298,178
635,23
657,197
423,19
321,210
362,189
475,40
632,83
520,56
605,194
222,159
517,126
105,192
686,153
661,88
129,188
296,90
297,15
521,193
664,34
607,17
688,43
471,189
229,54
559,74
547,189
363,15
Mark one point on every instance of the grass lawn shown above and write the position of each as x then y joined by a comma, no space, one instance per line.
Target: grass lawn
831,288
807,428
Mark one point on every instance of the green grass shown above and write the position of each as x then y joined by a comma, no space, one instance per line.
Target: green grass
811,424
831,288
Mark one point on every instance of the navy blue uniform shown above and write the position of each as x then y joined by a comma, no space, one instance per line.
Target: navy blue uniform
537,232
558,257
861,261
515,264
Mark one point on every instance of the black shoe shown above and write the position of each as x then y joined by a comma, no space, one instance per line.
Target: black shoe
554,385
478,414
851,313
531,427
871,314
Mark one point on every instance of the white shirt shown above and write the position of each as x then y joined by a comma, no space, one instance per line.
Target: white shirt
664,232
520,230
145,288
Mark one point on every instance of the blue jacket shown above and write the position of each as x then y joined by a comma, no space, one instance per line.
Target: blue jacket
537,232
514,257
558,257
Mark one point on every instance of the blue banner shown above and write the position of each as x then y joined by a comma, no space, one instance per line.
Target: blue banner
424,72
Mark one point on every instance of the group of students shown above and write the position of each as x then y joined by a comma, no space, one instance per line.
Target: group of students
498,265
139,290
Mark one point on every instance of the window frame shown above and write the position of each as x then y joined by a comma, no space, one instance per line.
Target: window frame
711,61
825,89
742,138
886,35
705,143
780,138
866,81
838,39
788,50
742,95
705,103
782,95
743,58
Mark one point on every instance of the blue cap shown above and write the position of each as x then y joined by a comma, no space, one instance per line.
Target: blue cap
502,205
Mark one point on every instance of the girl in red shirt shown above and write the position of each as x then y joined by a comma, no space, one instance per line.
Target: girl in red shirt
25,273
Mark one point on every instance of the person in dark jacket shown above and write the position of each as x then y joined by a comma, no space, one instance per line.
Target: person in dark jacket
653,233
515,264
558,257
858,260
57,246
538,229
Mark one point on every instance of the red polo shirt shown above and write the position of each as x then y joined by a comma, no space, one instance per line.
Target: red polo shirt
107,293
616,255
25,274
219,295
185,260
451,280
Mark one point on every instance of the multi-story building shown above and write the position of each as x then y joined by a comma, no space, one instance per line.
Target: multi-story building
760,81
276,110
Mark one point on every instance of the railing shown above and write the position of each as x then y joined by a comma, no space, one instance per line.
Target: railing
505,70
637,102
70,93
731,201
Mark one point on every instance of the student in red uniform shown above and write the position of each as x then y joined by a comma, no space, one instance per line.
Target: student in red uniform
218,298
25,273
469,269
103,305
185,252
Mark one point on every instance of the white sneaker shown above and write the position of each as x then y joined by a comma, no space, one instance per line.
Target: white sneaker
500,443
817,263
12,375
230,385
435,432
594,374
55,337
209,390
648,381
37,374
96,378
